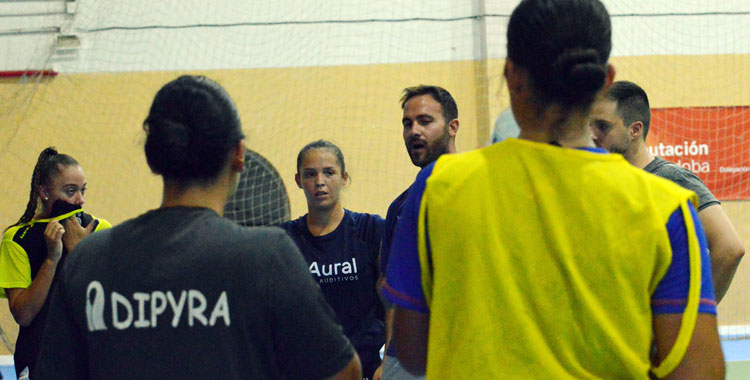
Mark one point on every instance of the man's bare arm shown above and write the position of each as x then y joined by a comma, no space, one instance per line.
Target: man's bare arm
724,245
410,329
703,359
352,371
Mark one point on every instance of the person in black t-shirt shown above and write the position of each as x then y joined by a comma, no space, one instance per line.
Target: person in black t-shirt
341,248
182,293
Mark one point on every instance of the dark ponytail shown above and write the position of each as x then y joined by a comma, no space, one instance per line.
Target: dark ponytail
46,169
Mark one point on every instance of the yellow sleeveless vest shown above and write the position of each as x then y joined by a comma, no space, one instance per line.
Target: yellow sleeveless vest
542,261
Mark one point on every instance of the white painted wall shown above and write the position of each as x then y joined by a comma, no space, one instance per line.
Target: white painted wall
342,43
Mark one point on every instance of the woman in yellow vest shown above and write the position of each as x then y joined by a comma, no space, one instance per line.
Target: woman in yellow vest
544,257
35,247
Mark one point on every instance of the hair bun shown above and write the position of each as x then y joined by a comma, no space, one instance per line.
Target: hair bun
167,145
579,72
47,153
191,128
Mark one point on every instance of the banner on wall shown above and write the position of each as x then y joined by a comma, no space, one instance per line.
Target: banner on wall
712,142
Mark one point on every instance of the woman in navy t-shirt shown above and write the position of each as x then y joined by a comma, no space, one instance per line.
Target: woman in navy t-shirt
341,248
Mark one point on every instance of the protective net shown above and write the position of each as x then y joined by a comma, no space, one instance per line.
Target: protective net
260,198
302,71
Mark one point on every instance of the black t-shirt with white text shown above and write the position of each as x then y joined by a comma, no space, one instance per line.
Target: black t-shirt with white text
182,293
345,265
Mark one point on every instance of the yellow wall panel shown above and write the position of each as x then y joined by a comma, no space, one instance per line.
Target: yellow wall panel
97,119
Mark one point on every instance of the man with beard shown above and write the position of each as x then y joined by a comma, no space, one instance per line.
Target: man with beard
620,123
430,122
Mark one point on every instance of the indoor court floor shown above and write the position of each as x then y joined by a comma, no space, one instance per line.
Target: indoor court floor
736,353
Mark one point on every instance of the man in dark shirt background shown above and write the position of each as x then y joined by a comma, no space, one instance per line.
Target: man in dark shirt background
430,125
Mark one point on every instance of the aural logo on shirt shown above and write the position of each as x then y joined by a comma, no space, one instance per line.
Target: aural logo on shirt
142,310
335,272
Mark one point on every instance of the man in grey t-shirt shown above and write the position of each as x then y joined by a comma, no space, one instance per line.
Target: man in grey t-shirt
684,178
620,123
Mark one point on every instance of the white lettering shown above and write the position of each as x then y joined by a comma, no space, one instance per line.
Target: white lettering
695,166
668,151
142,298
741,169
693,150
176,307
330,280
221,309
195,311
117,298
330,269
95,306
688,148
333,269
703,149
346,268
151,306
158,305
314,268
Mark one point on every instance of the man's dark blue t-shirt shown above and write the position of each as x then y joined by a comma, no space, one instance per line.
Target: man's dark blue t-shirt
391,218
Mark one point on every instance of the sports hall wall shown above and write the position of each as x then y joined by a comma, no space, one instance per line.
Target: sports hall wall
327,69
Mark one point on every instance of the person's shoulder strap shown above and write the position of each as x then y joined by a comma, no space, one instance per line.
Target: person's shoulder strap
10,233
